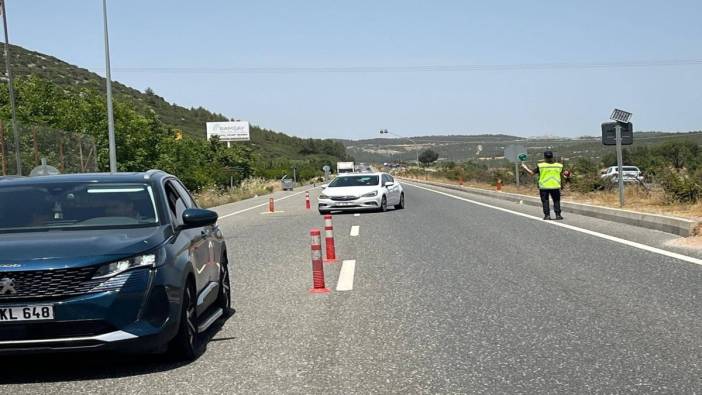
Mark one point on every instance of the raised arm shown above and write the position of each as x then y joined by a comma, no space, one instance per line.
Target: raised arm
528,170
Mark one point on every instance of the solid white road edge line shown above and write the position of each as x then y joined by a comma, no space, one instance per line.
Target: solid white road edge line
355,230
629,243
345,282
264,204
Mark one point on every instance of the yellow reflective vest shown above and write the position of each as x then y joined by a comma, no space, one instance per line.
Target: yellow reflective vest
550,175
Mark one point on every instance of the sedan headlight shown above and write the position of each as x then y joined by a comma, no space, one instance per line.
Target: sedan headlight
113,268
371,194
323,196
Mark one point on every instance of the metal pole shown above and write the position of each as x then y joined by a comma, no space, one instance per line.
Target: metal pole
516,172
620,174
10,83
108,78
3,157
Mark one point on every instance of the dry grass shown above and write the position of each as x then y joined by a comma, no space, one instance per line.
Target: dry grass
249,188
653,201
635,198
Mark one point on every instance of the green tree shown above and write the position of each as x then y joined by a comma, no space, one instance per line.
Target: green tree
679,154
428,157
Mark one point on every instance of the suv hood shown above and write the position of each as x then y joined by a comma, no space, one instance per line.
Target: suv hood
349,191
75,248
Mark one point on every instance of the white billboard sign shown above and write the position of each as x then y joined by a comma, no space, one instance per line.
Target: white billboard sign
229,131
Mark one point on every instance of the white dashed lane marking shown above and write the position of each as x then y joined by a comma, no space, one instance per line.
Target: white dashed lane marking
345,282
355,230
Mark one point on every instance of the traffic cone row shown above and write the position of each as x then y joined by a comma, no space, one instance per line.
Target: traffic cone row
317,261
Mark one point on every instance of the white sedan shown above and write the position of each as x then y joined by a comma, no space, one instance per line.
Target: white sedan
366,191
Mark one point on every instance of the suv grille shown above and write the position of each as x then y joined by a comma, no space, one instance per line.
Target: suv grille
49,283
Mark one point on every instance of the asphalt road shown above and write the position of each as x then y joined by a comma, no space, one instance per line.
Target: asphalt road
448,297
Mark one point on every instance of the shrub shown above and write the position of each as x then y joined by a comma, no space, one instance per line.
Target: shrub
589,182
679,186
586,177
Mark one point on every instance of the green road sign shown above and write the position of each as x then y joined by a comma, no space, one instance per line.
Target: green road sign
522,157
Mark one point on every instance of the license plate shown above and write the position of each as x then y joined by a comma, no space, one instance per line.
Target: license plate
26,313
345,204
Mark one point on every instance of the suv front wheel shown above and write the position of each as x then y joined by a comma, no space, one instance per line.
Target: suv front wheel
224,299
186,345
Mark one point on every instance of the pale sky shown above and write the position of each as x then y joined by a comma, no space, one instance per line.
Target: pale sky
347,69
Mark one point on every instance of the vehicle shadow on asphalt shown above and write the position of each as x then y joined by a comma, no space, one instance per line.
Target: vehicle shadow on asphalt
35,368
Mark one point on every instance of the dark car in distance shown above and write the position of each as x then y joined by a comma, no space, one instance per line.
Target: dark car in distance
122,261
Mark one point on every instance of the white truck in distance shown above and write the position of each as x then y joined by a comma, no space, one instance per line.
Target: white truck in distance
344,167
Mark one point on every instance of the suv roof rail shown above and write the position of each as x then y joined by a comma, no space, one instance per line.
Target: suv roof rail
11,177
151,172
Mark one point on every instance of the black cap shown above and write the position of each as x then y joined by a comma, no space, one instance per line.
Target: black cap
548,154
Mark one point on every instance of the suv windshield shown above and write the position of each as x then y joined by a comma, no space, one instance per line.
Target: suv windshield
76,205
354,181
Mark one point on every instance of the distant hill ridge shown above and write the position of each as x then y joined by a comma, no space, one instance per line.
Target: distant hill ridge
268,144
491,146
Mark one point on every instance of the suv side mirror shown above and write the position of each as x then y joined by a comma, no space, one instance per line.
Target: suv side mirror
197,218
389,184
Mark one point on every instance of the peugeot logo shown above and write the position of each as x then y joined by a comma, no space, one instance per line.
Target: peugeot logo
7,286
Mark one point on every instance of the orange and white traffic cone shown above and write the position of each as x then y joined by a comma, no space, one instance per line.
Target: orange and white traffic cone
318,285
329,236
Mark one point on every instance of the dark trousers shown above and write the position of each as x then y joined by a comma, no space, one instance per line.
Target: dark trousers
555,195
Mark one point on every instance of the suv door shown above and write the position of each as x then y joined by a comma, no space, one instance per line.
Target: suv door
210,232
195,239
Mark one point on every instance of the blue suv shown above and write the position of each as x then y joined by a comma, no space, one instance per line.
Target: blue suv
123,261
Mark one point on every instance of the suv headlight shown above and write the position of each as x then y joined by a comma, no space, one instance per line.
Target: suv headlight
113,268
323,196
371,194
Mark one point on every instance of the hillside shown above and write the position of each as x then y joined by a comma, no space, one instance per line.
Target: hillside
267,144
490,148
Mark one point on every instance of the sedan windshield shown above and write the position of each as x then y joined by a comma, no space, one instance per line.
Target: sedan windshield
76,205
354,181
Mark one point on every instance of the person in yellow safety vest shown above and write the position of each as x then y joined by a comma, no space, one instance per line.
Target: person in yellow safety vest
549,173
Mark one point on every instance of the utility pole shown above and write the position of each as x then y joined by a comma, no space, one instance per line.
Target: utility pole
108,78
10,84
620,173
